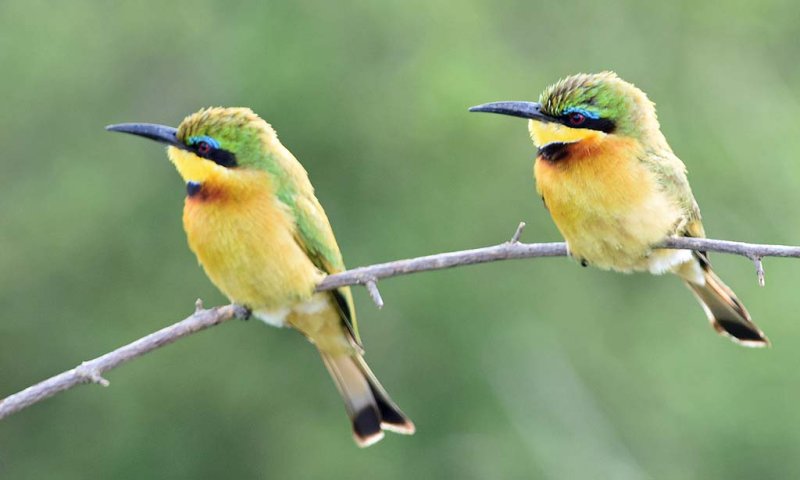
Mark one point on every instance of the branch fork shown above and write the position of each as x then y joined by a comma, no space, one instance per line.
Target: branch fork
517,234
90,374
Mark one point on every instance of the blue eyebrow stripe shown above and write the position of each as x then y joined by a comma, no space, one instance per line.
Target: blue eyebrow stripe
203,138
582,111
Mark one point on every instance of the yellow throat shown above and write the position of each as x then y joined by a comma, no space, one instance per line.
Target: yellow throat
193,168
545,133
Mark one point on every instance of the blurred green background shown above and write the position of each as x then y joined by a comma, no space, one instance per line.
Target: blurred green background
525,369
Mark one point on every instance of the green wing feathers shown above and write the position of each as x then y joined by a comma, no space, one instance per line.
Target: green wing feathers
670,173
313,230
315,235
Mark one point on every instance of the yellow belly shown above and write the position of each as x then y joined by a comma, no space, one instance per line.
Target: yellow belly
247,248
609,207
244,239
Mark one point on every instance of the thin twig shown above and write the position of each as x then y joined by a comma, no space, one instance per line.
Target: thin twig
518,233
92,370
511,251
374,293
759,270
504,251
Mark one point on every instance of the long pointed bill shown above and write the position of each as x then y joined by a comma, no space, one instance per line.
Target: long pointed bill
159,133
531,110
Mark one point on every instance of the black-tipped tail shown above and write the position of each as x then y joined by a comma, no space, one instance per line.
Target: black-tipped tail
369,407
725,312
367,426
392,418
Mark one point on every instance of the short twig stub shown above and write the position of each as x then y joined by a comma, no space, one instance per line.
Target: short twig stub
374,293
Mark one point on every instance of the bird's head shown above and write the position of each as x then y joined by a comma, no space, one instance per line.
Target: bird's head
583,107
213,143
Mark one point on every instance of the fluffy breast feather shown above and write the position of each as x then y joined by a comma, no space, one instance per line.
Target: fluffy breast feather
244,239
608,204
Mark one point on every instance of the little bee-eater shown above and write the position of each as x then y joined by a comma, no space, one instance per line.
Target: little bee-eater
615,189
264,240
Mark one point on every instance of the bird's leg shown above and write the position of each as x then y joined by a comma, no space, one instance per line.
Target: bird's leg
246,313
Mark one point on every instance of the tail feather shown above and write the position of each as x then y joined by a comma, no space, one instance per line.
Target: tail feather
725,312
392,418
369,407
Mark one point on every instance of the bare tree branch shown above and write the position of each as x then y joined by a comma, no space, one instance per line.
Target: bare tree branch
513,250
505,251
91,371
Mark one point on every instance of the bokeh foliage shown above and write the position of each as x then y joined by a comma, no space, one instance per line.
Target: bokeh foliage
522,369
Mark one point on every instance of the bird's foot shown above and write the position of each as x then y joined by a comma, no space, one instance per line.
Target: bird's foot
244,312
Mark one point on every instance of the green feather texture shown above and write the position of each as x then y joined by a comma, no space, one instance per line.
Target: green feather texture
604,95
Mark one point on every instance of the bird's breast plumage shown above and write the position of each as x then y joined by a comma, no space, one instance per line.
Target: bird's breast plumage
243,237
608,204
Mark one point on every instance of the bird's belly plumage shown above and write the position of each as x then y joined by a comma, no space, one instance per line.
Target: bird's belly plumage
609,207
248,250
245,239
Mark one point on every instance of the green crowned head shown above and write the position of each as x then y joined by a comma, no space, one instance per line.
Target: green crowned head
231,137
600,100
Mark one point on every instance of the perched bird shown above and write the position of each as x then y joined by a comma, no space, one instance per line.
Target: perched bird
264,240
614,188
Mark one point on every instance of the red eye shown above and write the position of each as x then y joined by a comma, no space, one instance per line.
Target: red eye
203,148
576,118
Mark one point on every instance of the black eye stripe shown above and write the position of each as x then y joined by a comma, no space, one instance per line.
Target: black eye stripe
217,155
601,124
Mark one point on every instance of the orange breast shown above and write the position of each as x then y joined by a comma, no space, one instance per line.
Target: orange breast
606,202
244,239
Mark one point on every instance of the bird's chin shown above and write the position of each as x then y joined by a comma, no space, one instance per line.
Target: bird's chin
193,168
546,133
553,145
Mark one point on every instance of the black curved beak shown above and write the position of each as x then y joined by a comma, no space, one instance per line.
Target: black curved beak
531,110
159,133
